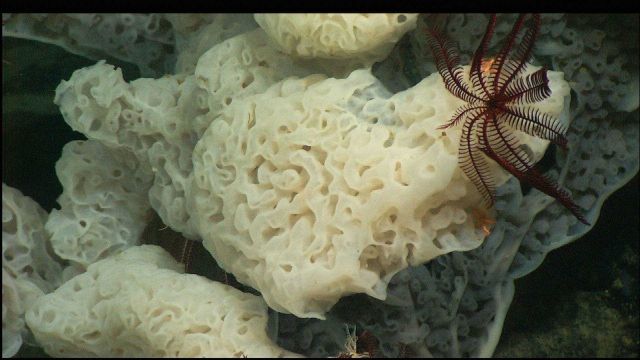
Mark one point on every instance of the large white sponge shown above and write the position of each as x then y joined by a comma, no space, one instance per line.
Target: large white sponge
319,188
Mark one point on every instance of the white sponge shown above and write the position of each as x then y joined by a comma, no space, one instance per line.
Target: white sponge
319,188
26,252
369,37
139,304
29,266
12,316
104,205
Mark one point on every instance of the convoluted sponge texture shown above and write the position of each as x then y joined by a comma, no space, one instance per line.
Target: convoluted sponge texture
12,316
145,117
104,206
160,120
319,188
29,266
18,295
197,33
248,64
340,36
138,303
241,66
143,39
26,251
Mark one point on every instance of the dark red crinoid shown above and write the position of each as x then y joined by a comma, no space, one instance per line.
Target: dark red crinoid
498,101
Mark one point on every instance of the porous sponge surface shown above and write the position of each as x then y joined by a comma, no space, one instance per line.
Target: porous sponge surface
104,205
29,266
12,316
26,252
139,303
144,117
146,40
337,36
160,120
319,188
197,33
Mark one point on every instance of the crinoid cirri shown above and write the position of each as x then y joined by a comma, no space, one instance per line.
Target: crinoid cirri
498,100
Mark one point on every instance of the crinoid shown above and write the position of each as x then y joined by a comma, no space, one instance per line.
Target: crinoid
498,100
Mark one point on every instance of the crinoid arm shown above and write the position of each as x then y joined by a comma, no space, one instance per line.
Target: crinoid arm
529,89
514,54
535,123
501,146
467,111
476,75
473,163
448,64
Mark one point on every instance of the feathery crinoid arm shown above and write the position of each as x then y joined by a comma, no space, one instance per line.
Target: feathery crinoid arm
529,89
448,64
467,111
535,123
502,146
480,86
498,141
514,54
472,161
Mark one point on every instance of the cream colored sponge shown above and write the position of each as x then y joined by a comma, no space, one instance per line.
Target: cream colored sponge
319,188
337,36
104,206
29,266
26,251
139,304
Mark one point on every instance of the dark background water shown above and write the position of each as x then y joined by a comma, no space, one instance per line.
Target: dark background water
582,300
